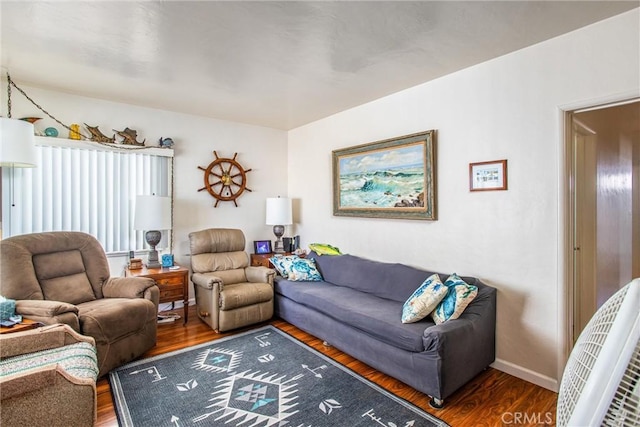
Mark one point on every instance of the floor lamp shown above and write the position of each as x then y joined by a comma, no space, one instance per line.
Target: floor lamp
17,150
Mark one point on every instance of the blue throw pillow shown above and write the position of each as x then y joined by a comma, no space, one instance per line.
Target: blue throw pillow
296,269
282,264
459,296
424,300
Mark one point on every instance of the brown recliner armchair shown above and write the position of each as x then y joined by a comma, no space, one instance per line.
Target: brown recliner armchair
63,277
229,293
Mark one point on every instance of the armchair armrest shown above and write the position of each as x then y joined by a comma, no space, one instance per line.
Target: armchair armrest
127,287
49,312
474,329
260,274
39,339
51,378
458,330
30,389
44,308
206,280
207,288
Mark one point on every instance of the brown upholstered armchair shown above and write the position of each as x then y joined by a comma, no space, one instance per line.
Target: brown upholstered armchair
48,378
229,293
63,277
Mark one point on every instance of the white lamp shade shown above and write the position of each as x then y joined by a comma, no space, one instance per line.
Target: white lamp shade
279,211
17,145
152,213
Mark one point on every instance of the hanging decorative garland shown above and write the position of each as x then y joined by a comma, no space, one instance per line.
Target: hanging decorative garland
129,136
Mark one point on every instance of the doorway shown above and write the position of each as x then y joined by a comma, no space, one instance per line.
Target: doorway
604,206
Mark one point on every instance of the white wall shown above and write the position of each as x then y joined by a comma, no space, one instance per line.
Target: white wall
261,149
507,108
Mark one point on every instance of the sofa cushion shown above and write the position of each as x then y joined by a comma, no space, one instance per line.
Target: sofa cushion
206,262
29,258
390,281
424,300
296,269
459,296
63,276
375,316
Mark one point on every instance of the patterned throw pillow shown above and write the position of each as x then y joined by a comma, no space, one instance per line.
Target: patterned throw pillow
424,299
459,295
296,269
282,264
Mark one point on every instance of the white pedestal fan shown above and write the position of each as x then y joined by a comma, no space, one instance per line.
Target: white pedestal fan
601,382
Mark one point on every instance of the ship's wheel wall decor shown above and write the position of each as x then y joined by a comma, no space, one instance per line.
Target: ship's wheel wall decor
225,179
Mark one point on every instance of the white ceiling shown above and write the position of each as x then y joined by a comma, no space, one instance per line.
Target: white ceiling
276,64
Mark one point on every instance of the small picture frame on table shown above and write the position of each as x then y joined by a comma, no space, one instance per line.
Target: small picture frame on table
262,247
488,176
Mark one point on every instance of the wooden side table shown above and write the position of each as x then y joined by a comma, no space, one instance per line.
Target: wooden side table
25,325
262,260
173,284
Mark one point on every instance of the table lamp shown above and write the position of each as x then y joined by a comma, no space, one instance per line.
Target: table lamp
152,213
278,215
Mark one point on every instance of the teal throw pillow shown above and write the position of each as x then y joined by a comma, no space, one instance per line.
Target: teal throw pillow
282,264
424,299
459,296
296,269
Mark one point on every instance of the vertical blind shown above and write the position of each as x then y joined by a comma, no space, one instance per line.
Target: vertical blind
84,189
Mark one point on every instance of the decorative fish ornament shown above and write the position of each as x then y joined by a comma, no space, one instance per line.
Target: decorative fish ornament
129,136
165,142
98,136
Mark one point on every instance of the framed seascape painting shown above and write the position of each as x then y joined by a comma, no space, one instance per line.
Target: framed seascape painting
394,178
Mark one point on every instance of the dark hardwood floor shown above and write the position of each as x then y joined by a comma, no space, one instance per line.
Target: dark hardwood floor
493,398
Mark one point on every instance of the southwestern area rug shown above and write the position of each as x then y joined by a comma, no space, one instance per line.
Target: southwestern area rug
258,378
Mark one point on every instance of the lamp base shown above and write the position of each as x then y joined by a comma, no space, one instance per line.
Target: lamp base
278,246
153,238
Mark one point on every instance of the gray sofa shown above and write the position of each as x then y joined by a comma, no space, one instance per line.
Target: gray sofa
358,307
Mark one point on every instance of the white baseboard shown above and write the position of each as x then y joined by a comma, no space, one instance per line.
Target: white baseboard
526,374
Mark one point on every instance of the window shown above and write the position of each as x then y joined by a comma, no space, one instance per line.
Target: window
82,186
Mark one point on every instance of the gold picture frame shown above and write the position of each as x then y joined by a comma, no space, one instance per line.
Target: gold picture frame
393,178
